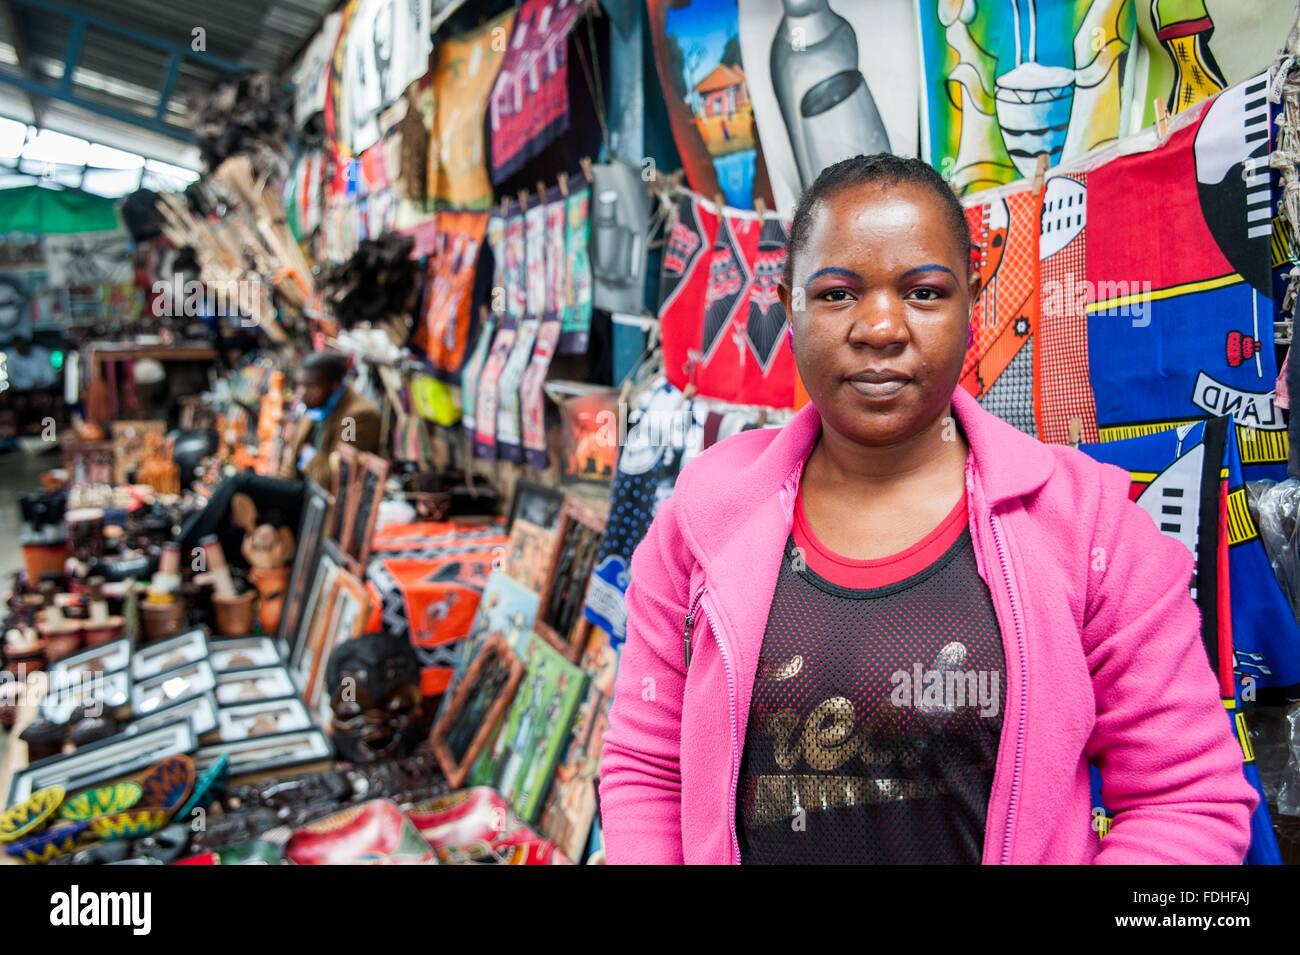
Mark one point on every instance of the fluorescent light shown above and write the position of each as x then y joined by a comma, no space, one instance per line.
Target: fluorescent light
49,146
106,157
12,136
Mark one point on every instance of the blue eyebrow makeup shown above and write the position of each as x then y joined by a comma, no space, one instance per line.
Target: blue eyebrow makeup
834,271
930,268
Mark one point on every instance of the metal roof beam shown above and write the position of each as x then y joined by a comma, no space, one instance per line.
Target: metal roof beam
14,21
147,39
153,125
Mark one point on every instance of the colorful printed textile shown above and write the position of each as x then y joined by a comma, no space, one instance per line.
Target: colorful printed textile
829,82
1010,80
1062,385
575,308
428,577
1195,48
444,334
722,323
1189,480
464,72
1180,295
529,105
999,365
485,415
697,51
532,399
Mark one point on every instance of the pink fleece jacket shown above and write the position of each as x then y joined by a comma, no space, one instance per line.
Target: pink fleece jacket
1104,659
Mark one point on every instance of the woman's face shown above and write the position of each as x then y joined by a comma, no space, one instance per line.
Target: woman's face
887,296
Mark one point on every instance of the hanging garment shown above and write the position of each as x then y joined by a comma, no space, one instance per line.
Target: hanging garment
529,105
464,71
829,83
721,320
575,312
663,434
1179,282
999,365
532,399
1011,80
697,51
473,371
444,334
386,47
510,439
1189,480
1195,48
1062,385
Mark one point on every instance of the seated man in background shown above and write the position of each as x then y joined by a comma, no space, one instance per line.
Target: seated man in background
335,414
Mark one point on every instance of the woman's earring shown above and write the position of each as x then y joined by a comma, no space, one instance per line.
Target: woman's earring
789,336
970,333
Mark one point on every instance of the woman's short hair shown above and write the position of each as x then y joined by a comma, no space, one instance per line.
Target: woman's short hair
879,168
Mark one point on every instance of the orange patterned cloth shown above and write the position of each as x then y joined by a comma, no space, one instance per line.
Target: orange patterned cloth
999,364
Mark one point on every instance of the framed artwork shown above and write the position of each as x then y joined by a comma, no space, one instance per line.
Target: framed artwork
171,686
530,552
69,694
264,754
262,719
246,686
327,568
343,503
560,621
367,492
465,726
522,758
537,504
200,710
311,532
243,653
506,608
107,658
344,619
169,654
111,758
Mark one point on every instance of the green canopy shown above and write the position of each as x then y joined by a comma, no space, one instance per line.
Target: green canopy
45,211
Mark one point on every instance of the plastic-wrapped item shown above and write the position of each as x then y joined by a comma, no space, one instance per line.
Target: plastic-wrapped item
1288,795
1279,526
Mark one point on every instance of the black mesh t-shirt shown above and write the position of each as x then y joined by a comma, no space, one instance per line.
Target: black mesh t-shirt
877,707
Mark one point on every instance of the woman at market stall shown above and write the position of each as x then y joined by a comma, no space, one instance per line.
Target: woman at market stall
899,630
335,414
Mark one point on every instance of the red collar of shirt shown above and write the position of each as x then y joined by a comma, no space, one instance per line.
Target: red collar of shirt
881,571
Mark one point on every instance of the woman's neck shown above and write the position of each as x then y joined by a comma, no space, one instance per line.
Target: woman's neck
840,461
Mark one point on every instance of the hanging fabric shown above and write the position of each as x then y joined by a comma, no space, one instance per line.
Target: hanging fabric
999,365
529,105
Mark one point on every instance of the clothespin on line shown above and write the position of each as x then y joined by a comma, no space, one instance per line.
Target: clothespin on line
1040,173
1162,119
541,192
585,163
1076,432
564,183
760,207
720,201
523,199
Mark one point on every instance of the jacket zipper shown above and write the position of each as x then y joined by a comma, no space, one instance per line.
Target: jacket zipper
1024,677
698,604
